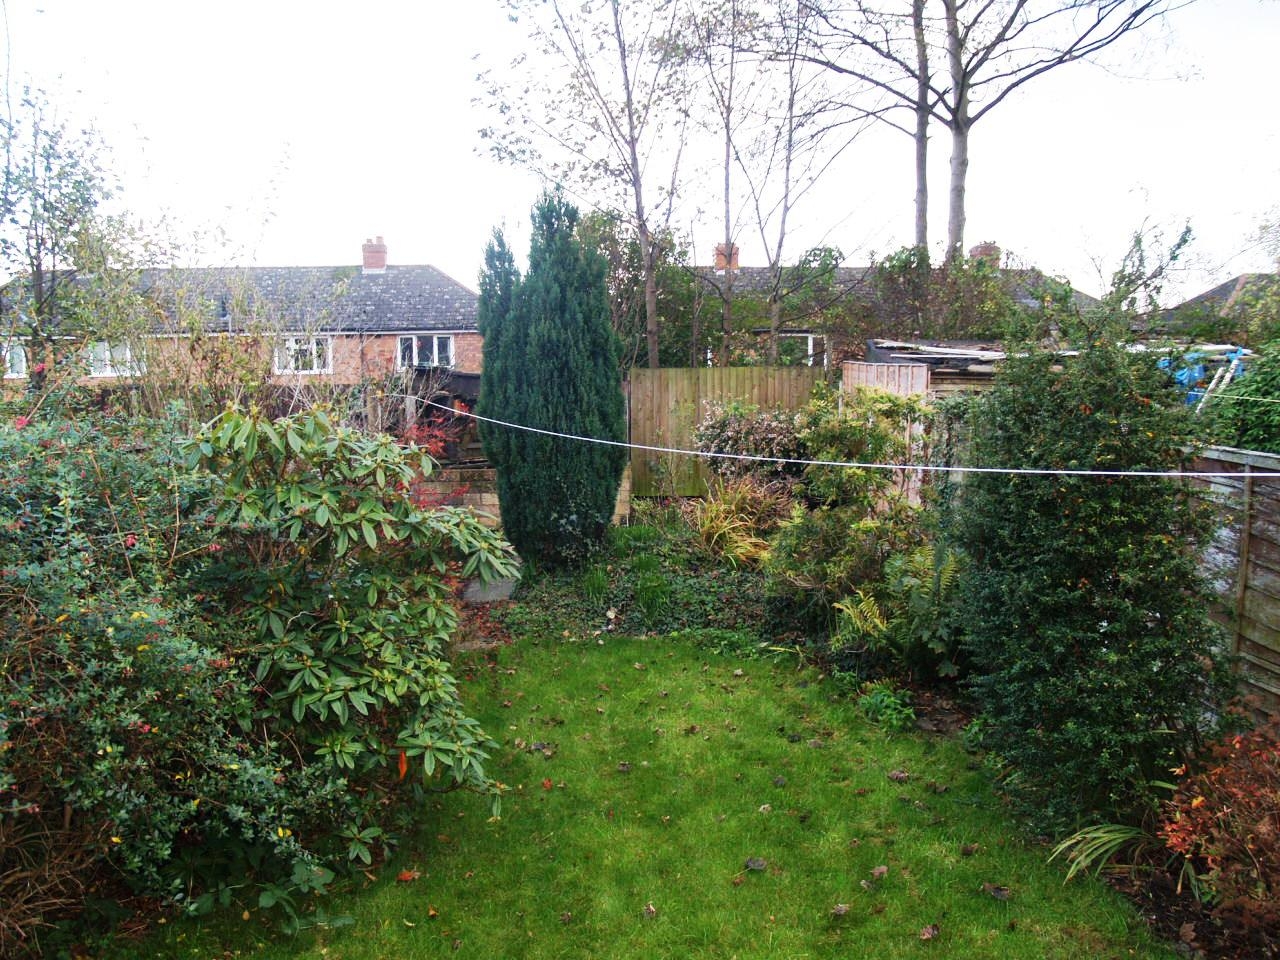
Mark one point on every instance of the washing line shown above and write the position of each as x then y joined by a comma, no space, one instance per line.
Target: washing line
855,465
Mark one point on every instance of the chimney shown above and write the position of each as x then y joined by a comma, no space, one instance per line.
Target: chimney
988,251
375,256
726,258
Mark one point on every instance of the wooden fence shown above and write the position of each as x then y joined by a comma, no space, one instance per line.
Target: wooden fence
667,404
1244,563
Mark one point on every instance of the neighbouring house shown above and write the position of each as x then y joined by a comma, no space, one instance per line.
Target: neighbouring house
829,311
342,325
1246,307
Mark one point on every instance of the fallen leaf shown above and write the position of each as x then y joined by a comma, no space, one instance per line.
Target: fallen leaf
403,764
737,879
840,909
408,876
880,872
779,781
1000,893
639,666
624,767
899,776
547,784
1187,932
739,673
566,917
650,910
930,932
756,863
766,808
936,787
432,912
968,850
409,923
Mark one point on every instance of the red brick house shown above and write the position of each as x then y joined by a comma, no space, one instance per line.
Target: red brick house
341,325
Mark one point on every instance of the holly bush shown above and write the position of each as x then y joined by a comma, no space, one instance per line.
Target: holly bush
1095,660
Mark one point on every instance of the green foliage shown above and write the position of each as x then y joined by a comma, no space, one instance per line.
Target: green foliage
959,298
1087,619
214,666
858,517
339,580
551,363
735,518
907,618
1102,846
1247,413
883,703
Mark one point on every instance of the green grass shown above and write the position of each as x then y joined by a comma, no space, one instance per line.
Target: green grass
648,772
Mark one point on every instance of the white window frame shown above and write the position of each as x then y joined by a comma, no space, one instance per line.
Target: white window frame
13,354
809,339
295,347
112,359
418,357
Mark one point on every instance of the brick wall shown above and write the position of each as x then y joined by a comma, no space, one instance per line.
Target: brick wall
477,487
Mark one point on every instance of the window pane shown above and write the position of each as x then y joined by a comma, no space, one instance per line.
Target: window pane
406,352
15,360
444,351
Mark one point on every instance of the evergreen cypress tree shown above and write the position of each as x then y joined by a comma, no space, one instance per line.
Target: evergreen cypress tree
551,362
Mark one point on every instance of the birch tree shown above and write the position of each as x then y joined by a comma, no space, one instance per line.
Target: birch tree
600,110
988,48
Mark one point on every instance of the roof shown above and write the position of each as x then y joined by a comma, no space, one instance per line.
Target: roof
342,299
1230,293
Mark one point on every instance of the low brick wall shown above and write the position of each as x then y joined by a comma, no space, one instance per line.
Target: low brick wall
477,488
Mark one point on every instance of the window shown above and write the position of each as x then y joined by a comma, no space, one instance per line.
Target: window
14,357
807,349
429,350
107,359
304,355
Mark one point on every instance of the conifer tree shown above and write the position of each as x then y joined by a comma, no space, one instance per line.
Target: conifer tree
551,363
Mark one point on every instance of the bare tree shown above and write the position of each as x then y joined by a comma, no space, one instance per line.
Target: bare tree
990,49
600,111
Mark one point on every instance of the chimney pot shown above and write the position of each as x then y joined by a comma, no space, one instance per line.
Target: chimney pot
988,251
726,257
375,256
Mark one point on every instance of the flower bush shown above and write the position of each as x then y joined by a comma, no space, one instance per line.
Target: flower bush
736,427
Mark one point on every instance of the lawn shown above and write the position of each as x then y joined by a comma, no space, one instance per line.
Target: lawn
669,801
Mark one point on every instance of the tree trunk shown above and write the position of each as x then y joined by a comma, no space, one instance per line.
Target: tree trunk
922,126
959,123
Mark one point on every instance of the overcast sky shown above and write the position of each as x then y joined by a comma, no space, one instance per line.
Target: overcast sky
301,127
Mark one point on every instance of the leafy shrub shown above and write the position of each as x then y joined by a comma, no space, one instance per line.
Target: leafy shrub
253,642
743,428
857,517
908,617
1253,424
1225,821
1093,654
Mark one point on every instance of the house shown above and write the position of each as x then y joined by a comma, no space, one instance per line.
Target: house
341,325
1247,306
829,311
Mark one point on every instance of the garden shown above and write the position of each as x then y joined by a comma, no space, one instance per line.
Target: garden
834,702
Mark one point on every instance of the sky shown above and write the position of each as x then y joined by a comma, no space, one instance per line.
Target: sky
299,128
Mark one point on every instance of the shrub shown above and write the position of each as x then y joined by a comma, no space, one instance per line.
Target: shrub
1242,421
1086,616
883,703
857,517
1225,821
743,428
253,643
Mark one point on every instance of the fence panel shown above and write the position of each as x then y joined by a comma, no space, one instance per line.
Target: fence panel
1244,563
668,403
